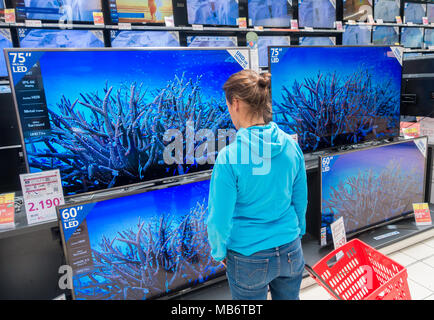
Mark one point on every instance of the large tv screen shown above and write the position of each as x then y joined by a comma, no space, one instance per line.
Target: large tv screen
51,38
140,11
212,12
412,37
333,96
383,35
317,13
270,13
414,12
112,117
374,185
357,10
387,10
356,35
5,42
55,10
429,38
139,246
127,38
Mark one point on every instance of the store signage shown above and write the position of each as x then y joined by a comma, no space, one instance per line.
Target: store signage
42,193
422,214
339,235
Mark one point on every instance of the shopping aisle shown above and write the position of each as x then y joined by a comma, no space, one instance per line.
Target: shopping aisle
419,261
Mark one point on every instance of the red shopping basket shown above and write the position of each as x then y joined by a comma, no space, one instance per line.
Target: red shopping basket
362,273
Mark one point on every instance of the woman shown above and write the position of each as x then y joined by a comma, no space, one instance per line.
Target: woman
258,197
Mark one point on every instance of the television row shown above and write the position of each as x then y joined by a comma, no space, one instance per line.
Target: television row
276,13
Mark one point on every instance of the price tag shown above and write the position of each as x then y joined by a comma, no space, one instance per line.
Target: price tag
425,21
258,28
124,26
398,19
169,21
33,23
10,16
42,192
411,131
294,24
371,19
379,21
7,210
339,235
242,23
323,236
352,22
197,27
422,214
98,18
339,26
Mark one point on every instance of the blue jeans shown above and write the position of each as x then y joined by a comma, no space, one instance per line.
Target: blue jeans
279,268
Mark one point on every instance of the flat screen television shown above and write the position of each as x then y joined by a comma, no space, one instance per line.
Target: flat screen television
372,186
52,38
113,117
429,38
418,95
357,10
270,13
5,42
139,246
334,96
212,41
140,11
356,35
387,10
127,38
265,41
317,13
213,12
55,10
412,37
385,35
418,65
430,12
10,134
317,41
414,12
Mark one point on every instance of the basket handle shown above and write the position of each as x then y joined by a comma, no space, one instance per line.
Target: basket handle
316,276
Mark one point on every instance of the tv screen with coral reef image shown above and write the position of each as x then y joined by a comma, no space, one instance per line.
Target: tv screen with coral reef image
55,10
140,11
213,12
374,185
334,96
113,117
139,246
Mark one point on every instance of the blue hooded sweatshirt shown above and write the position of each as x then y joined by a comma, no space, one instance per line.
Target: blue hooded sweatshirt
258,193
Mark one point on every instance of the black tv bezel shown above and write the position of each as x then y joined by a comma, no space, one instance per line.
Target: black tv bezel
176,292
76,22
404,215
397,129
123,187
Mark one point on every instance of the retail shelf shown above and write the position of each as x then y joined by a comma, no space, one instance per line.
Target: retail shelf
385,24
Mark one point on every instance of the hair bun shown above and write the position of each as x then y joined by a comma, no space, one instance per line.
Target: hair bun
264,80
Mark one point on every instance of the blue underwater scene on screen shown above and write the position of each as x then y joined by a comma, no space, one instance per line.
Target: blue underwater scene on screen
5,42
46,38
370,186
332,96
412,37
145,245
270,13
142,94
125,38
221,12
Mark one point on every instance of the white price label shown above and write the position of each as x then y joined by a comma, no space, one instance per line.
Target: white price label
33,23
124,26
339,235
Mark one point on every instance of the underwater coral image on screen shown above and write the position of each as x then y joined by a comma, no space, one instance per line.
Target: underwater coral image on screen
140,246
317,41
215,12
140,11
387,10
265,41
332,96
50,38
370,186
270,13
211,41
412,37
385,35
316,13
75,10
357,10
414,12
126,38
112,117
5,42
356,35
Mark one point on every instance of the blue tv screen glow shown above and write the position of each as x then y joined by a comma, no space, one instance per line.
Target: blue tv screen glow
356,35
126,38
429,38
357,10
139,246
412,37
104,117
55,10
387,10
430,12
333,96
317,41
265,41
385,35
414,12
5,42
213,12
270,13
316,13
51,38
211,41
140,11
371,186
